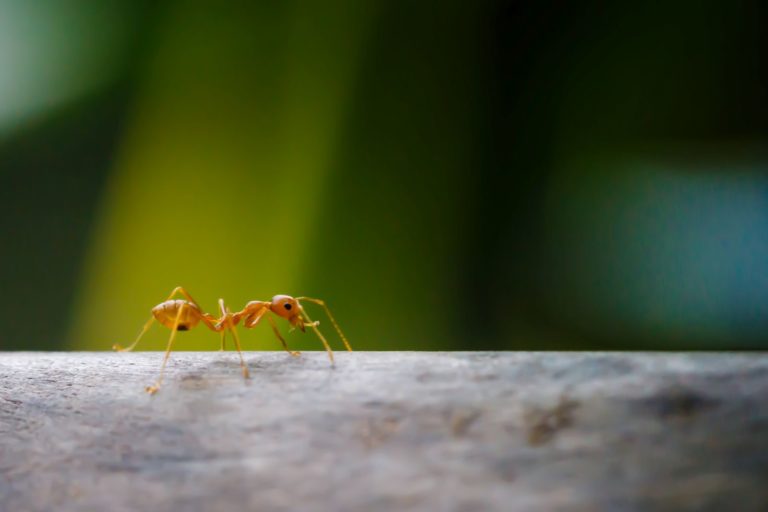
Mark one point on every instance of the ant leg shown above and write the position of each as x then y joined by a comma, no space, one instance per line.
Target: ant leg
254,318
223,330
294,353
333,320
313,325
185,293
146,327
251,313
226,322
240,352
155,387
207,319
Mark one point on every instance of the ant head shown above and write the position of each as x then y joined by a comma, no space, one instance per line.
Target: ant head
288,308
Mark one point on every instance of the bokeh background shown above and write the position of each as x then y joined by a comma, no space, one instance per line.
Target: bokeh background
447,175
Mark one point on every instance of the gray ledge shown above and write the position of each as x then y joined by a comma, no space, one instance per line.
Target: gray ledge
403,431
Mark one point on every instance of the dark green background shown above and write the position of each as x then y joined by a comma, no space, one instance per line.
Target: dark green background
501,175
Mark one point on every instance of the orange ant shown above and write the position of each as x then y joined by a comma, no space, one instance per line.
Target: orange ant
184,314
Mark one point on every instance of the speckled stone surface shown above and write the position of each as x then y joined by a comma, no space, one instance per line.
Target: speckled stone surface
405,431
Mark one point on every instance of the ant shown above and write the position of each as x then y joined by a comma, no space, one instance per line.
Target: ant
184,314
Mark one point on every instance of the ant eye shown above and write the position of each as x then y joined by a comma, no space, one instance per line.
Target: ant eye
287,306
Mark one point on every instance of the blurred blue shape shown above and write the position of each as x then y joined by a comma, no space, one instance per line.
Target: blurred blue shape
671,251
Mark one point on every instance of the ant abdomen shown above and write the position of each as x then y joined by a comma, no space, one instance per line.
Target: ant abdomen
166,313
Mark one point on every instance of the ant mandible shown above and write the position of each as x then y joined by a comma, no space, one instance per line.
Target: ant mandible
184,314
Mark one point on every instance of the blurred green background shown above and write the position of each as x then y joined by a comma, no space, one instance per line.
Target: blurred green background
446,175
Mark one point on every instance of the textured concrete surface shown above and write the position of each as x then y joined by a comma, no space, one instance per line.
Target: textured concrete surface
384,431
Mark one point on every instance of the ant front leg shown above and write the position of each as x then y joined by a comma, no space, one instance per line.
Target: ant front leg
313,325
330,316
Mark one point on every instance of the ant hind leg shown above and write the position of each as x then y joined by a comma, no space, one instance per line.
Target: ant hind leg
185,294
146,327
155,387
